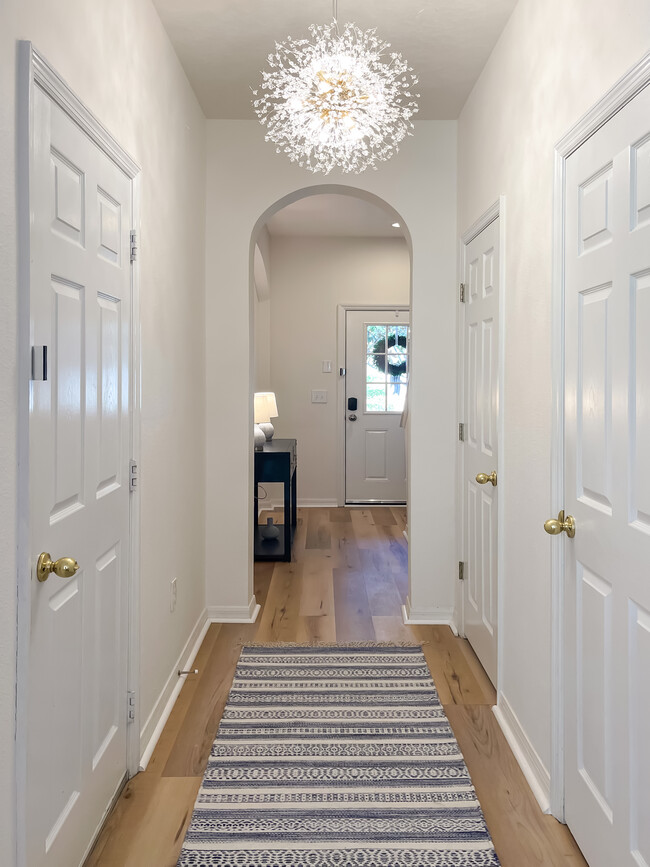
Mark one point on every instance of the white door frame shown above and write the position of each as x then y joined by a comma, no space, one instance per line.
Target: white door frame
35,71
613,101
341,311
496,210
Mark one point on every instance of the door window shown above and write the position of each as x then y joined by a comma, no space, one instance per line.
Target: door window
387,367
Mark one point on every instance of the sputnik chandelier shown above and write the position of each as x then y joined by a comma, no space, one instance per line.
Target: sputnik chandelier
334,101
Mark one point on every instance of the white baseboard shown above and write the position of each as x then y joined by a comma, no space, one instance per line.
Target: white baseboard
429,617
234,613
278,503
152,729
537,776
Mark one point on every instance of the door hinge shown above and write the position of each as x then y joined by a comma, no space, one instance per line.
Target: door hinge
461,432
462,293
133,476
130,707
461,571
134,245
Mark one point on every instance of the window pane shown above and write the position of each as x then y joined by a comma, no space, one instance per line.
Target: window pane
375,368
374,375
397,336
396,364
375,398
375,333
396,397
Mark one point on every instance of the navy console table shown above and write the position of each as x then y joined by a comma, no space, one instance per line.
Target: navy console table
276,462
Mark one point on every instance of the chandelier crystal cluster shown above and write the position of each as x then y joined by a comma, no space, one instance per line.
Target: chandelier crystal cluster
337,99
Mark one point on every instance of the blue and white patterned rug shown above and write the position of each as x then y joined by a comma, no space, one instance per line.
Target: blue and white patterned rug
337,755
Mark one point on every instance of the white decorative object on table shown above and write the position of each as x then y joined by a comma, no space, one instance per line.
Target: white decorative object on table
269,530
259,437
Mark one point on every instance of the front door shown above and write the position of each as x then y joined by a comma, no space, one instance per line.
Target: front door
377,369
79,429
607,490
480,467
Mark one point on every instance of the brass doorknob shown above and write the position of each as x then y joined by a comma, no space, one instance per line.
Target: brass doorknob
64,567
562,525
483,478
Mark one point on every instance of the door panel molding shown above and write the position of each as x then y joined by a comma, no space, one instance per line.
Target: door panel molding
623,91
36,72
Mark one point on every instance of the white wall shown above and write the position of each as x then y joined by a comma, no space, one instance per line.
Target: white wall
420,184
553,61
311,276
116,56
262,311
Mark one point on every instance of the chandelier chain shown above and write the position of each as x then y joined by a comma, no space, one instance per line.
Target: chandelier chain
335,14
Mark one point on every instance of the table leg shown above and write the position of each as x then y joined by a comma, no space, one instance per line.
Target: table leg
287,520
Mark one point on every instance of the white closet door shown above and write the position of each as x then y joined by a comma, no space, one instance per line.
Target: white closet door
607,472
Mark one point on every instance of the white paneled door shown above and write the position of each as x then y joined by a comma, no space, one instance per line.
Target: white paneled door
607,490
79,428
377,370
480,452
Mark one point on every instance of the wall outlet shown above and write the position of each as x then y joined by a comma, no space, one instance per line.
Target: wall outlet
173,595
319,395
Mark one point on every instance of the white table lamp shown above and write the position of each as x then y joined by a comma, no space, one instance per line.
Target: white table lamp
265,408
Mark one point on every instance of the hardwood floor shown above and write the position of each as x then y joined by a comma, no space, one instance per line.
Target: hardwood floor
347,582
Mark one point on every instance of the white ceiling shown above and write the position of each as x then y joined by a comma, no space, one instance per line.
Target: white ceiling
223,44
327,215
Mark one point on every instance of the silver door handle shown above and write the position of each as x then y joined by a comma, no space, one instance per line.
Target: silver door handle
352,417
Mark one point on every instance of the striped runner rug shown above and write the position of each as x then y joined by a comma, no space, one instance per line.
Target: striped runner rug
337,755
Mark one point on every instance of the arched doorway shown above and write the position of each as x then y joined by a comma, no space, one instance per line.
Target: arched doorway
338,255
317,262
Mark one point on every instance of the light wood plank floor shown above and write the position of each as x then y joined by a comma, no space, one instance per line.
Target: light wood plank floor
347,582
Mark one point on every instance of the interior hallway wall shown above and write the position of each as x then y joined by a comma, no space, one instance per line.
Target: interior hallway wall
116,56
553,61
262,311
420,184
311,277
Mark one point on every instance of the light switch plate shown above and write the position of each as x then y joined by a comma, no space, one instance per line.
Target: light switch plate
327,367
319,395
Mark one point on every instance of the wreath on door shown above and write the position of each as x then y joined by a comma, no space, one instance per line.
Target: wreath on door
382,347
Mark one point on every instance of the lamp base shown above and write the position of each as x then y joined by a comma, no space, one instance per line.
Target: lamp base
267,429
259,437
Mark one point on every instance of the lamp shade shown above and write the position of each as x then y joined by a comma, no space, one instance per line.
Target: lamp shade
265,406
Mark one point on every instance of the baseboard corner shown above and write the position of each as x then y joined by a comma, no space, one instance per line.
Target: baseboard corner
428,617
234,613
